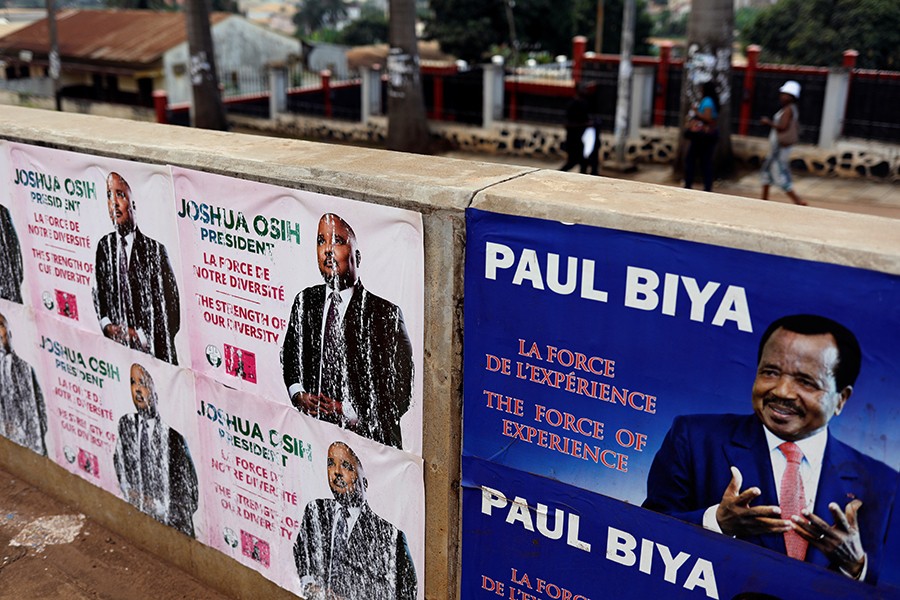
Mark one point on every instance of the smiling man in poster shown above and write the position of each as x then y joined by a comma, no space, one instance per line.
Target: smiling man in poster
347,358
135,294
344,551
811,496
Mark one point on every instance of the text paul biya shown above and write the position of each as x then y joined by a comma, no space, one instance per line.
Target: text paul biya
642,286
678,568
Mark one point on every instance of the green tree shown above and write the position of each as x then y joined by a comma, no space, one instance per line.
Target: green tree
469,28
314,15
370,28
816,32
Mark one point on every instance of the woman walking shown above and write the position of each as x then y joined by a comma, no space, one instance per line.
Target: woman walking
784,134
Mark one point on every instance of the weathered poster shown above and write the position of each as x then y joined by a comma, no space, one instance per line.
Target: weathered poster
307,300
23,407
12,268
733,392
123,421
98,241
320,511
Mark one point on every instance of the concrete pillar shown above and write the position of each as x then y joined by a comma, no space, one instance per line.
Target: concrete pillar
278,77
371,92
161,106
836,90
579,46
492,98
641,100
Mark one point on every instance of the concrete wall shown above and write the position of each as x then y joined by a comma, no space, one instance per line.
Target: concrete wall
441,189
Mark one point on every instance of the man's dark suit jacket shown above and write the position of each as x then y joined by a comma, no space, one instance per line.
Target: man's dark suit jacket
376,565
691,471
11,271
22,408
155,308
178,488
379,358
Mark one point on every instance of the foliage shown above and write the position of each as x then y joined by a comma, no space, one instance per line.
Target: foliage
370,28
744,16
469,28
314,15
667,25
816,32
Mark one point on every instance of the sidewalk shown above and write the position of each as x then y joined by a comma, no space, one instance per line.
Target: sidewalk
832,193
50,552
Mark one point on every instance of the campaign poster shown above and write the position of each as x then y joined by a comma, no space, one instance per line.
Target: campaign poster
264,265
591,353
123,421
99,245
274,481
527,537
13,280
23,394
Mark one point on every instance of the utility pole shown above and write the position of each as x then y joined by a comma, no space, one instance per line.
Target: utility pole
709,49
208,111
55,63
598,39
407,125
626,72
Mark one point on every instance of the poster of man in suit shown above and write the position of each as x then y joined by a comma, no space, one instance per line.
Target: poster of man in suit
99,237
344,549
23,413
136,292
152,460
269,269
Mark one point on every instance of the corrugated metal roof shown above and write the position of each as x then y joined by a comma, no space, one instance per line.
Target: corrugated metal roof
110,36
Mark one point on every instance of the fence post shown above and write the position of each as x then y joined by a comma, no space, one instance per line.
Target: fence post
579,47
160,104
326,92
749,86
662,84
278,75
370,88
492,83
836,88
641,100
837,93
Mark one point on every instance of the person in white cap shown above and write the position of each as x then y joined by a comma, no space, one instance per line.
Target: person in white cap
784,134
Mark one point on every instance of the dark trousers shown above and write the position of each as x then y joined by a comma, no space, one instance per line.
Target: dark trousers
700,148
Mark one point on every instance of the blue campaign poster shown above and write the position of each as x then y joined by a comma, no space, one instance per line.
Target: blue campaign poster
585,347
528,538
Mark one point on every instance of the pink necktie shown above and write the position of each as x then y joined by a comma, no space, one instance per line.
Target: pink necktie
793,500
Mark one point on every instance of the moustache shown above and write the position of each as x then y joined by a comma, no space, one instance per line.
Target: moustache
785,405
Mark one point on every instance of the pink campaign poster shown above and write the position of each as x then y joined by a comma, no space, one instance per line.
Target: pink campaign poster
13,278
98,246
23,392
306,300
123,421
316,509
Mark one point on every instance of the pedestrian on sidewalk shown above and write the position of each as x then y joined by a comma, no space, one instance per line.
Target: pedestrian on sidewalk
703,134
582,134
784,133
